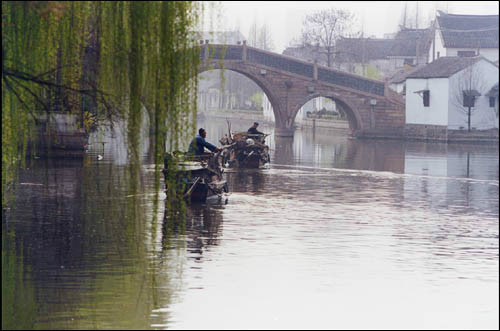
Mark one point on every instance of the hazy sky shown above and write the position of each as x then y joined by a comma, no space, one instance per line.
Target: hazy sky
284,18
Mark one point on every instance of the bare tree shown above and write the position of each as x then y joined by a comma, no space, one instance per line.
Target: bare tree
468,86
252,34
260,37
265,40
416,16
323,28
413,18
404,16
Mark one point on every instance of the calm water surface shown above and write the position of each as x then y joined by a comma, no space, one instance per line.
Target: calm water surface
333,234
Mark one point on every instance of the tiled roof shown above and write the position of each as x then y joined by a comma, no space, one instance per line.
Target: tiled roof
401,75
469,31
351,49
306,53
405,42
445,67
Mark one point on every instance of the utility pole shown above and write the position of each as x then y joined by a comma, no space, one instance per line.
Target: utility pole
364,48
416,17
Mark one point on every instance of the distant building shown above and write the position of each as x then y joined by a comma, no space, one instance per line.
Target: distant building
372,57
465,35
211,98
410,47
364,56
438,99
397,82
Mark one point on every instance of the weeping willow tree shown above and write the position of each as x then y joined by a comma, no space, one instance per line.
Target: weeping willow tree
107,59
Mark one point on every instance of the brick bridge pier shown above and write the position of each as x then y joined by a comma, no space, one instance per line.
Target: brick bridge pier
372,109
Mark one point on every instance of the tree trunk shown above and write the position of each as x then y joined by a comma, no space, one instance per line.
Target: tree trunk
468,115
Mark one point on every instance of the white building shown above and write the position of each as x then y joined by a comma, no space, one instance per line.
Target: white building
465,35
437,94
398,80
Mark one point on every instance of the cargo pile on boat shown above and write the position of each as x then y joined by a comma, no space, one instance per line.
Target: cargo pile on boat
245,150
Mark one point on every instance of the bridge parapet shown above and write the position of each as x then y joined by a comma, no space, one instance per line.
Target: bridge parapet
296,66
279,62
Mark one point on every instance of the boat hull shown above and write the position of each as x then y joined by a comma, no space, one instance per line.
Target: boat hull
201,178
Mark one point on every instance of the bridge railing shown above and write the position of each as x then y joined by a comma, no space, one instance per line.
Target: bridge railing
278,62
221,52
292,65
355,83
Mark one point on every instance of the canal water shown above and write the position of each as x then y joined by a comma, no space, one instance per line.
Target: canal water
335,233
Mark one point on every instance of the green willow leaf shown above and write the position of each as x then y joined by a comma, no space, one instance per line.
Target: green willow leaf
112,59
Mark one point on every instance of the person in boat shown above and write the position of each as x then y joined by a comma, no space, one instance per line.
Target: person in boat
198,144
253,129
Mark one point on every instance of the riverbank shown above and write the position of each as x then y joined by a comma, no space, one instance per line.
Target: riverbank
237,114
410,133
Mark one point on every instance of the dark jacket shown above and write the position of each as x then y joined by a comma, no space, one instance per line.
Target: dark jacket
254,131
198,145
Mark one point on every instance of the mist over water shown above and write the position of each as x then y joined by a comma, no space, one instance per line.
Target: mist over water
334,233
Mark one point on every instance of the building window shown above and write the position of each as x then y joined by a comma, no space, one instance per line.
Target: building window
466,53
408,62
469,99
426,98
492,102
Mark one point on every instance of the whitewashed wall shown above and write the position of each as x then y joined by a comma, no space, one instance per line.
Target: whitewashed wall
488,53
437,47
483,116
437,112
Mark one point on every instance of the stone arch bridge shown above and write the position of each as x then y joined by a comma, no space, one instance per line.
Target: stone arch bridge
289,83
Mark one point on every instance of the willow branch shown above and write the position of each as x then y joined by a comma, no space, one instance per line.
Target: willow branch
13,90
30,78
101,96
37,98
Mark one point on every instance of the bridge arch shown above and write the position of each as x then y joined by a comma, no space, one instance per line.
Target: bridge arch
271,96
353,117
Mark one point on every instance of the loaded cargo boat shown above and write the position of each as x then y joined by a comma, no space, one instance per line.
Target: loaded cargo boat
200,175
245,150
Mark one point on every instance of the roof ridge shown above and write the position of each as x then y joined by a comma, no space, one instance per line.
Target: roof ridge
446,71
464,15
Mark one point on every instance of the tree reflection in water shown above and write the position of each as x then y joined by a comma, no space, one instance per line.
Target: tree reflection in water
75,251
198,227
